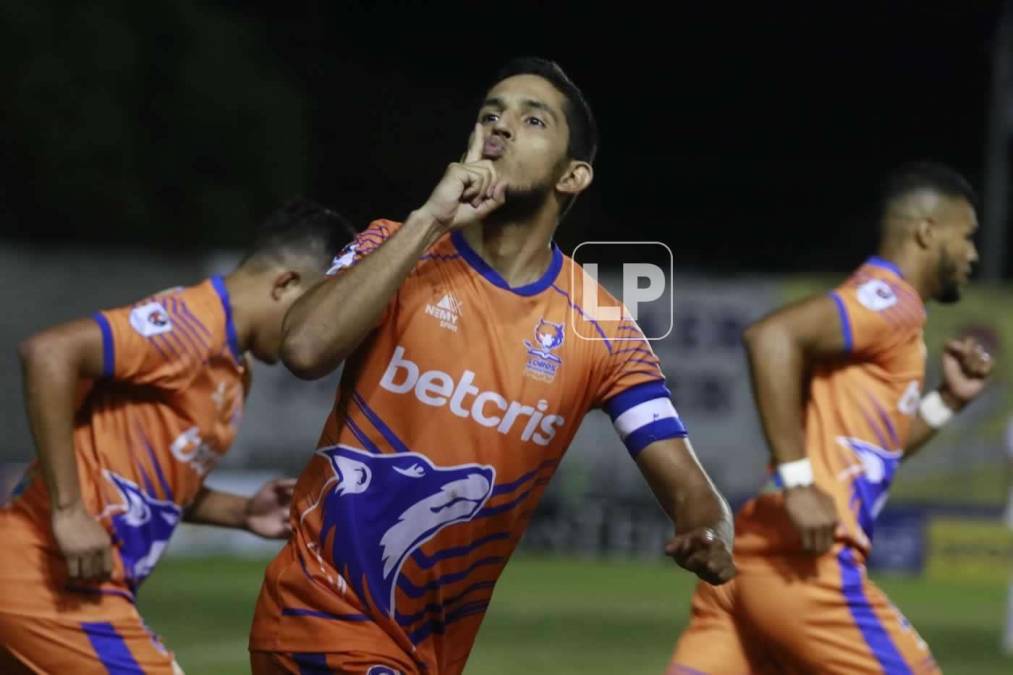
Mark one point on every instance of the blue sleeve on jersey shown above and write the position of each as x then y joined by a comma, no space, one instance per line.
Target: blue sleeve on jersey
845,321
108,347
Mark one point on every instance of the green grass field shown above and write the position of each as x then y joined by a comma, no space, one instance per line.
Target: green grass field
556,616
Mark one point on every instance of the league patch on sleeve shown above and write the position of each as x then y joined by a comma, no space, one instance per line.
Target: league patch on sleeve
876,295
150,319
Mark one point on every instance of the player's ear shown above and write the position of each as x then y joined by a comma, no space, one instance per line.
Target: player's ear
575,179
285,282
925,232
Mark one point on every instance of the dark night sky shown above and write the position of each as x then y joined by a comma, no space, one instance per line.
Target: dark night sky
746,139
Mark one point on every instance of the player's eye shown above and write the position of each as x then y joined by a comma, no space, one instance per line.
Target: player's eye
488,118
536,121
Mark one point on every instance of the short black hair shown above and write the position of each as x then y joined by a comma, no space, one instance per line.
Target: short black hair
301,228
583,144
925,176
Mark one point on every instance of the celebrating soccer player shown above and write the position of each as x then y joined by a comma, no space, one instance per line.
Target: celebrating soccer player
467,373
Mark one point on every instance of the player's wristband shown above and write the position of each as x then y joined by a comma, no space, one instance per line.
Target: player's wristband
798,473
934,410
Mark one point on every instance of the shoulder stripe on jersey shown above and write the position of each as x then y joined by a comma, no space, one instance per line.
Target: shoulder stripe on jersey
108,346
866,620
597,326
111,649
876,261
190,330
842,311
190,315
634,396
440,257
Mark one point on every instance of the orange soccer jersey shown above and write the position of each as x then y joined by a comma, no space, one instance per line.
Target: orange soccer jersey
448,424
145,436
787,611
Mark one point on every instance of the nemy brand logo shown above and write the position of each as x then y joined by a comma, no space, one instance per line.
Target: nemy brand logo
437,388
447,310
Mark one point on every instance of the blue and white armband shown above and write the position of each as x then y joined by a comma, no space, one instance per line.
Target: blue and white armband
644,414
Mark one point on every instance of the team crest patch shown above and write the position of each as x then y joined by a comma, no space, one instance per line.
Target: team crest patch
542,361
876,295
382,670
150,319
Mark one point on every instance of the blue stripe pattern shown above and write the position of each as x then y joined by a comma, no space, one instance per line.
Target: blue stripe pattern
597,326
111,649
438,627
295,611
845,321
312,664
634,396
885,264
503,488
426,562
668,427
413,591
158,469
407,620
108,346
868,623
384,430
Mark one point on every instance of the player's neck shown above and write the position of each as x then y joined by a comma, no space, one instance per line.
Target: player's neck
520,251
241,289
911,268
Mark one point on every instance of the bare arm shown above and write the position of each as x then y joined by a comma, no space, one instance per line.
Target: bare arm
326,325
265,513
703,521
53,364
781,348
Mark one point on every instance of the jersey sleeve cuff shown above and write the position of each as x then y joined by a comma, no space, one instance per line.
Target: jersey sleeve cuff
108,346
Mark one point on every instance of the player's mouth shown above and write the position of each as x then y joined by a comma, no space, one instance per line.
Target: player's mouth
494,148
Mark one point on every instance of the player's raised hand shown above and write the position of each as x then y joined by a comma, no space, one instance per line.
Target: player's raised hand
469,190
966,368
814,515
704,554
267,511
84,543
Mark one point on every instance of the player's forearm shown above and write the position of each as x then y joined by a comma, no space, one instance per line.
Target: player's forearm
683,488
326,325
776,365
212,507
50,381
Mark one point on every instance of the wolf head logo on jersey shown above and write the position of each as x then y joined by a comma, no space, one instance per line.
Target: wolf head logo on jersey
549,337
384,506
143,527
871,486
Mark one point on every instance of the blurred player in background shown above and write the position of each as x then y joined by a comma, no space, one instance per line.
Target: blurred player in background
467,373
838,381
130,410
